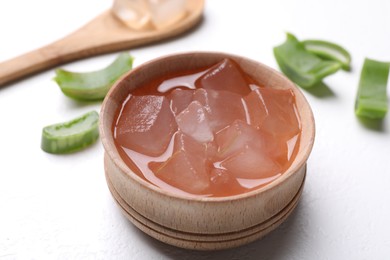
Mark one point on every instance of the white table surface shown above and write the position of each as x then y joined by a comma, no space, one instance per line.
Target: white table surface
59,207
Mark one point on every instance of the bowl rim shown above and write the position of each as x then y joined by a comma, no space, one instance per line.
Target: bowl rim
110,148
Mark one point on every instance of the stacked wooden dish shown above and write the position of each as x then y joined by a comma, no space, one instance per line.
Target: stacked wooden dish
203,223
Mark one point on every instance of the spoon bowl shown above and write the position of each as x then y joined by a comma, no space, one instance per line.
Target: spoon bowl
104,34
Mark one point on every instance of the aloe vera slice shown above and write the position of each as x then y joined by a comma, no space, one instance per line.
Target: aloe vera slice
93,85
301,66
371,100
330,51
71,136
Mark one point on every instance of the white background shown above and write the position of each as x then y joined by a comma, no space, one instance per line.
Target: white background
59,207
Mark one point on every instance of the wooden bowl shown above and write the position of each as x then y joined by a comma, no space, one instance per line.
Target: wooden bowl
203,223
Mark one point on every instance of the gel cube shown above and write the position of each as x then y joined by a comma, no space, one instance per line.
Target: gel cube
187,168
147,124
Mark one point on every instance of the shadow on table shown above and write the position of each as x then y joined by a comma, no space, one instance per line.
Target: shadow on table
320,90
273,246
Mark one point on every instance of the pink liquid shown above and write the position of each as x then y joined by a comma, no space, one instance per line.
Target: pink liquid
210,132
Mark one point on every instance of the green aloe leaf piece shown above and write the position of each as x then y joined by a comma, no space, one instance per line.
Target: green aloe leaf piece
302,67
71,136
371,99
93,85
329,51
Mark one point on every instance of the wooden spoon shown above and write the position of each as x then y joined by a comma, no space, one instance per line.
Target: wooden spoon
103,34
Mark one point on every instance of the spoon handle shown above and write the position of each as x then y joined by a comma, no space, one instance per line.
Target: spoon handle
32,62
101,35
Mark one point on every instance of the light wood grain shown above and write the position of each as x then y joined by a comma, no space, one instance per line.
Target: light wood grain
201,241
104,34
203,216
